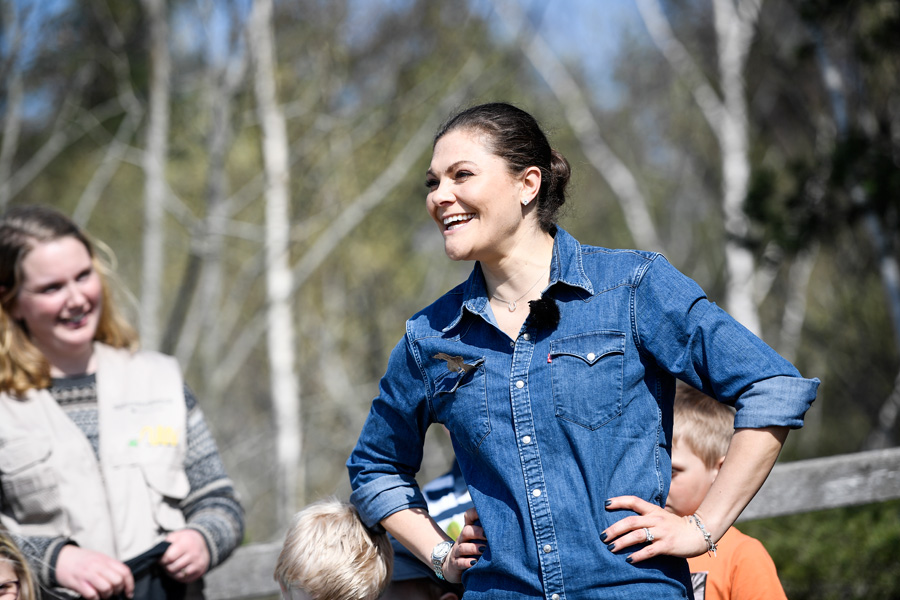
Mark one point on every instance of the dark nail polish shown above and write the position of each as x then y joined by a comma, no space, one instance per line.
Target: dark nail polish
603,537
607,503
628,560
611,547
472,562
481,548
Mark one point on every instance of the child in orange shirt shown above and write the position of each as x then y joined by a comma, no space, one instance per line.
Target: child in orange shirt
741,568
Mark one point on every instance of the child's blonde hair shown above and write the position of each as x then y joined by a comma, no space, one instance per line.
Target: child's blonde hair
11,553
702,423
330,554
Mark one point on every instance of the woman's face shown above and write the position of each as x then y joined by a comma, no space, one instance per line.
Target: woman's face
474,199
60,298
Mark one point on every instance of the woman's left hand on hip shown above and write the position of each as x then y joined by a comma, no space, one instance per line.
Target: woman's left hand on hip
654,531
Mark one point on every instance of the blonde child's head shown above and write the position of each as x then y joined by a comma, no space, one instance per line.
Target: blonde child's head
701,434
15,574
705,425
329,554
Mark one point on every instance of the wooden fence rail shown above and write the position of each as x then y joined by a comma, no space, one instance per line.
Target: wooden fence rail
795,487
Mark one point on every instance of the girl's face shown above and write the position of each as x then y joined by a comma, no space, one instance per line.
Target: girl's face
60,299
9,581
475,200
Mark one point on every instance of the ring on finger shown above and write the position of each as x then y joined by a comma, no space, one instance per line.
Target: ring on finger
648,534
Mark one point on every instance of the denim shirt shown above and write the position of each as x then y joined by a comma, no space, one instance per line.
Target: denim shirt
549,425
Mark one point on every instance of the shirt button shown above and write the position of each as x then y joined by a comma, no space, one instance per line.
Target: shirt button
547,548
536,493
554,597
591,356
520,384
512,344
526,439
526,336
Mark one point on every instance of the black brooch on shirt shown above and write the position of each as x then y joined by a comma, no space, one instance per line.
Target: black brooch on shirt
454,363
544,313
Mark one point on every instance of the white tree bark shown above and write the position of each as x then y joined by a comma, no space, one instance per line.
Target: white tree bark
795,307
12,121
735,24
221,90
735,27
12,125
154,164
279,281
351,216
888,266
880,436
577,111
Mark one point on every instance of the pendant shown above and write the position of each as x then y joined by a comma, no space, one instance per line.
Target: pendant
511,306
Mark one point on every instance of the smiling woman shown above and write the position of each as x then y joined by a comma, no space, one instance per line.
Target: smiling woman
59,304
106,461
553,367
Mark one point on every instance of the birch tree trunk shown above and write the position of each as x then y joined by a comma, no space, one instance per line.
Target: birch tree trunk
154,164
12,125
200,318
12,122
121,144
578,113
284,381
735,27
888,266
735,24
351,216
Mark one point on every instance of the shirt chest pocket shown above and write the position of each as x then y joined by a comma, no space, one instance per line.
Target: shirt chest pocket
587,371
460,402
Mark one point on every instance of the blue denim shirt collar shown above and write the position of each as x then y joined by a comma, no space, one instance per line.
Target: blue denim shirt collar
569,272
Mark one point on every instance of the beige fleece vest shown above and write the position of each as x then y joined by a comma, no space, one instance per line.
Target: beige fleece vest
52,482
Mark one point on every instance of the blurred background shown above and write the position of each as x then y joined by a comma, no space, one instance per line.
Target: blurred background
257,169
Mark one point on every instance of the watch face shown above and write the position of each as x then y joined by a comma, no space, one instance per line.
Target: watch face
442,549
438,553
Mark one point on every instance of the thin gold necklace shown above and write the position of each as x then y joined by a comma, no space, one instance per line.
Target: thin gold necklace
512,306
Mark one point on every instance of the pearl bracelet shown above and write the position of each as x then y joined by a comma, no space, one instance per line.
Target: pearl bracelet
710,544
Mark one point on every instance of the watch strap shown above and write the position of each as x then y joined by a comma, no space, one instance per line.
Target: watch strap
438,554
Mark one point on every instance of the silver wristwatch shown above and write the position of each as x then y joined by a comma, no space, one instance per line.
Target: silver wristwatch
438,554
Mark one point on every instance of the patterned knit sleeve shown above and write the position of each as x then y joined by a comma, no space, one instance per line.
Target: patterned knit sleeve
212,507
41,554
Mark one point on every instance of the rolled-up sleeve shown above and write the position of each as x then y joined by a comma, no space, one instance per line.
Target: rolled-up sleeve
383,465
693,339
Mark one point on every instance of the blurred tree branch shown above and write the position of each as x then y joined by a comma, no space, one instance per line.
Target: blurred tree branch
585,126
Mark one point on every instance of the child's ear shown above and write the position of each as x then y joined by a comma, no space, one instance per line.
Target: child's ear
718,466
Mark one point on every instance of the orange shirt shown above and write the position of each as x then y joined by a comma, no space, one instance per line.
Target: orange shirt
741,570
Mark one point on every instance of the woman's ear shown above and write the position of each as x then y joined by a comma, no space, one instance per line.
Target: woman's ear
531,184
